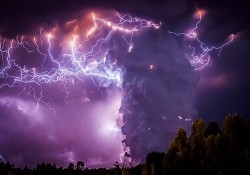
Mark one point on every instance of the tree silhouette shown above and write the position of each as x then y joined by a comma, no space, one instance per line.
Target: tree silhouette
176,159
79,166
154,162
212,129
235,131
210,162
196,144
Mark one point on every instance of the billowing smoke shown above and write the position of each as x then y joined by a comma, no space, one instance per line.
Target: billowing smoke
158,91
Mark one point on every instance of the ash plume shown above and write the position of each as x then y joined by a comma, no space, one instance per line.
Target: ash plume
158,91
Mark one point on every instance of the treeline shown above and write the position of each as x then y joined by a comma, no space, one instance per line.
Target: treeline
210,150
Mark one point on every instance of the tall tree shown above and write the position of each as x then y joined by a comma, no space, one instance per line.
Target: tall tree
154,163
221,151
212,129
210,160
235,131
196,143
176,159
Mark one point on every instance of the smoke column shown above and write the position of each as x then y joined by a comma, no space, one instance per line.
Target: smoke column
157,91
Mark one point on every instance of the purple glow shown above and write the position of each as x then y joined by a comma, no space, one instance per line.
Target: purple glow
98,87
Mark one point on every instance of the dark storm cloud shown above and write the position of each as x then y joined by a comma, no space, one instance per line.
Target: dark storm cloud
223,18
21,17
158,91
224,87
24,17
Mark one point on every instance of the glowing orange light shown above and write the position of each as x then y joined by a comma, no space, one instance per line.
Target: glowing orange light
93,29
199,13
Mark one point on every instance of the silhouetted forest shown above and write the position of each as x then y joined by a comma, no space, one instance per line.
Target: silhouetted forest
210,150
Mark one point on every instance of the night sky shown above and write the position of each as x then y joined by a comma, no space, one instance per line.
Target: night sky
99,120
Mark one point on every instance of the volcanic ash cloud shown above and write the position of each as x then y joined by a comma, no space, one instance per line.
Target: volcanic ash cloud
158,91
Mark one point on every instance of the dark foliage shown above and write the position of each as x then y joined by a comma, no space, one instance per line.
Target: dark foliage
211,150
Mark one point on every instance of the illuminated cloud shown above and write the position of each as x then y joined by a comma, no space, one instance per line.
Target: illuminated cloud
69,102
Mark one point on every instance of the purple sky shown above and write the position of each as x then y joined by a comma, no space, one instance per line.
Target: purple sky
87,123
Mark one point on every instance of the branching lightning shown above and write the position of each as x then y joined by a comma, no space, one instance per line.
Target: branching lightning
83,56
78,63
1,157
200,57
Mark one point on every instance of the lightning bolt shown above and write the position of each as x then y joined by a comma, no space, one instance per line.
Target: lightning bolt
85,56
78,63
1,157
200,57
